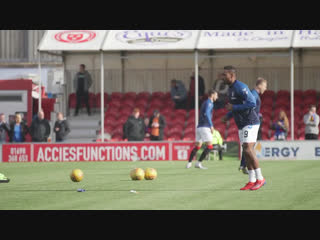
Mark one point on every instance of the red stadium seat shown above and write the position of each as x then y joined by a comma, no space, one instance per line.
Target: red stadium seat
115,103
232,138
130,95
157,95
143,95
98,100
285,93
298,93
265,136
189,130
116,138
167,96
127,103
72,100
310,93
174,137
269,93
116,95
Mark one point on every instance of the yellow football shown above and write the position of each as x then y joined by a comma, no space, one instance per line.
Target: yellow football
76,175
137,174
150,174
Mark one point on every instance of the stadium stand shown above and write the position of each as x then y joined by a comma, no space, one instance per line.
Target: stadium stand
180,124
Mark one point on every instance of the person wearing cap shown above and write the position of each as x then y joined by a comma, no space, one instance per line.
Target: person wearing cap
134,128
157,125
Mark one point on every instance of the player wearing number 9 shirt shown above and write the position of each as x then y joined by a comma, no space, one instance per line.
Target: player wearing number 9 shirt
242,107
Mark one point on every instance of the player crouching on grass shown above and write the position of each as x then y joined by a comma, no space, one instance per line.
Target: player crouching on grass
204,130
242,106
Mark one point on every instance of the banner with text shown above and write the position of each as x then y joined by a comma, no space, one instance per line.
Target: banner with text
16,153
101,152
181,151
288,150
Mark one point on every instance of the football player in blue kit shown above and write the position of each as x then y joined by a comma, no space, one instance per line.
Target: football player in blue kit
259,89
204,130
242,107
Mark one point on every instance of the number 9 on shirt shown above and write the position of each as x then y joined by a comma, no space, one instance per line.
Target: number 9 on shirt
249,134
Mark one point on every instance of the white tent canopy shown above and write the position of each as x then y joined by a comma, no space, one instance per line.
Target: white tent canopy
245,39
306,39
178,40
72,40
152,40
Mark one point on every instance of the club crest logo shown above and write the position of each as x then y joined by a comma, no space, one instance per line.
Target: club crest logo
75,36
152,37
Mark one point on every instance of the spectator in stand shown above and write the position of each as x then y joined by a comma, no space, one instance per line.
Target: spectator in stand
157,125
178,94
82,82
281,127
134,128
222,88
311,120
4,128
147,128
61,128
192,90
18,130
40,128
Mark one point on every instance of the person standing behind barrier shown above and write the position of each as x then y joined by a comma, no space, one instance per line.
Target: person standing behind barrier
4,128
40,128
134,128
147,128
82,82
157,125
222,88
192,90
178,94
61,128
18,130
281,127
311,120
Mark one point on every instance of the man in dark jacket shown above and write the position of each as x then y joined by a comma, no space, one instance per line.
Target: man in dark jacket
192,90
40,128
61,128
178,93
134,128
82,82
157,125
4,128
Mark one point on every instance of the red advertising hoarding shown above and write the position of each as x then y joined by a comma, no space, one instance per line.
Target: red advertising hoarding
16,153
101,152
181,151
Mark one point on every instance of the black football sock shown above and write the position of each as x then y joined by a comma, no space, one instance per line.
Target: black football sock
204,154
193,153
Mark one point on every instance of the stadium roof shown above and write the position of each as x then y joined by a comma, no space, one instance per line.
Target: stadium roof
176,40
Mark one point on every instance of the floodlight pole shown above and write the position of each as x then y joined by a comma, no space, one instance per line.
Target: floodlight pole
102,95
40,82
196,77
292,91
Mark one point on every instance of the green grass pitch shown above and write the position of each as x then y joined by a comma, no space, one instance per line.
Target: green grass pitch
291,185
